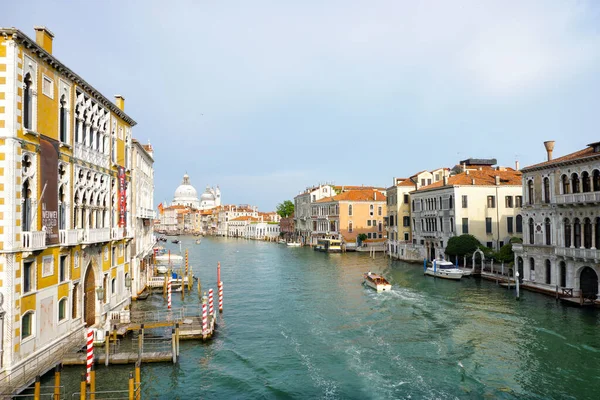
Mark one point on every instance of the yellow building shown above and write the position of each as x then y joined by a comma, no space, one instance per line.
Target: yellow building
64,203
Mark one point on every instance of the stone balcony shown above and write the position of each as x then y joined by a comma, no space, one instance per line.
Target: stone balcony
34,240
90,155
579,254
145,213
70,237
578,198
98,235
117,233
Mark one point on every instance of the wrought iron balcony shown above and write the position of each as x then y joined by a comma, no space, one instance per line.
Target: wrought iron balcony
34,240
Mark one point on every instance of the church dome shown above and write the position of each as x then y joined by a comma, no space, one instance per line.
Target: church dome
186,194
207,195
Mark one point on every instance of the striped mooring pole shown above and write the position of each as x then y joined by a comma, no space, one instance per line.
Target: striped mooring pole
187,264
169,293
204,318
211,310
218,272
220,296
90,353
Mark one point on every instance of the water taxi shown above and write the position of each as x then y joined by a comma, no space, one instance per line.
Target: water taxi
376,282
294,244
329,245
444,269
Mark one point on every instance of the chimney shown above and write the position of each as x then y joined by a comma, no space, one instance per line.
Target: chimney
43,37
467,172
497,180
473,181
120,101
517,165
445,180
375,196
549,148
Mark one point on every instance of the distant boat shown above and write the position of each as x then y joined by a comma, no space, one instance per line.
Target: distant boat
376,282
444,269
198,241
162,269
176,241
282,241
294,244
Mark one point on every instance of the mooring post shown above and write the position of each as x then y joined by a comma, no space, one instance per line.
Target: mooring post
517,283
115,333
37,388
107,348
140,343
83,387
177,338
173,344
93,382
131,388
199,289
138,381
182,288
57,371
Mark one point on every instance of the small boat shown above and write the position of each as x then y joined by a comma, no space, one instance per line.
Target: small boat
376,282
176,241
198,241
162,269
294,244
444,269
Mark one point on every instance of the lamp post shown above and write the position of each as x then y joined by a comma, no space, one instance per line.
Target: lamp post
100,292
517,283
128,282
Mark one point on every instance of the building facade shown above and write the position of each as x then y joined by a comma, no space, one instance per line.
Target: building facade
228,212
65,202
303,210
398,228
561,218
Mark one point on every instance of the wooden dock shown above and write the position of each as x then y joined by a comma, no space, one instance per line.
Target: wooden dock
120,358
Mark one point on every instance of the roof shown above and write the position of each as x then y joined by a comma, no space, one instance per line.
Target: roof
356,195
48,58
407,182
580,155
484,177
245,218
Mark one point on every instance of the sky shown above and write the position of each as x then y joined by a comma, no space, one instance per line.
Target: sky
266,98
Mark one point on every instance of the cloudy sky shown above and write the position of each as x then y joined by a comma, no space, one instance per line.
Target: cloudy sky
267,97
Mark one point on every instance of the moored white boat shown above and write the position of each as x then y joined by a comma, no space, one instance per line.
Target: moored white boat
162,269
294,244
376,282
444,269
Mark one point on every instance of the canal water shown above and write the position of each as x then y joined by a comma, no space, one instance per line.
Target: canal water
299,324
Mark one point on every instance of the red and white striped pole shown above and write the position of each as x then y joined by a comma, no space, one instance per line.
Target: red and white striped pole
204,318
90,353
211,310
220,296
169,293
219,272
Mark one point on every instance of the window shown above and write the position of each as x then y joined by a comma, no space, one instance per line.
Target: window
380,235
406,199
548,272
47,86
369,235
371,210
563,274
350,226
27,102
62,119
491,201
379,210
368,222
62,309
532,269
380,227
441,224
406,221
62,269
450,203
488,226
567,235
508,202
113,286
489,245
577,233
531,238
575,180
27,325
564,180
547,232
465,202
546,190
74,309
465,225
422,182
406,236
374,223
518,201
27,276
429,181
114,255
509,224
451,224
519,224
530,191
350,209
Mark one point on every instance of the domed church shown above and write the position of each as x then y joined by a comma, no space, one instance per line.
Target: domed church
186,195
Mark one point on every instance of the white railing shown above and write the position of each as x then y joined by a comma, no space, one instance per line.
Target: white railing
34,240
70,237
143,212
90,155
588,254
117,233
96,235
517,247
592,197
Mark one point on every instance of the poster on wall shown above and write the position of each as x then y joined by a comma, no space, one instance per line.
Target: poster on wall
122,196
49,182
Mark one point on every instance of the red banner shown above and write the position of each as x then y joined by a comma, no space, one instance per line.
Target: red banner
122,197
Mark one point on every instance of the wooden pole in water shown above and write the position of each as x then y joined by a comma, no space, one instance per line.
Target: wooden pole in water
131,388
199,289
93,383
57,371
140,343
138,381
173,349
107,348
83,388
177,338
37,388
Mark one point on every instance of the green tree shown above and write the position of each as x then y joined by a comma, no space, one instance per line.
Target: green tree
361,237
462,245
505,254
285,209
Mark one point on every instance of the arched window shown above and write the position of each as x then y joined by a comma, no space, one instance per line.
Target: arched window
575,181
519,227
27,102
530,228
547,232
577,233
27,321
596,180
26,207
62,309
567,233
350,209
587,233
546,190
532,269
391,220
61,208
563,274
451,224
413,205
62,120
450,203
548,272
565,184
530,191
113,286
585,182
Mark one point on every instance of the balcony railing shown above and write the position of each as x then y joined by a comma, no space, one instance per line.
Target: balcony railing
578,198
517,247
96,235
34,240
90,155
148,213
70,237
587,254
117,233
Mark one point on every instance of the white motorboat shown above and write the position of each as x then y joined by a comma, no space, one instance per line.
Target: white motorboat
162,269
376,282
444,269
467,272
294,244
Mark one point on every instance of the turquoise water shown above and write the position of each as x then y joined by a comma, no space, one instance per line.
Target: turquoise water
299,324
